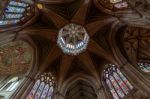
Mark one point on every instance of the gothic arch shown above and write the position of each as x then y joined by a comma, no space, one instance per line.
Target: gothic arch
14,37
91,81
79,77
123,62
22,23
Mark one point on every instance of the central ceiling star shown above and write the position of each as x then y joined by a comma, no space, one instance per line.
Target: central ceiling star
73,39
72,31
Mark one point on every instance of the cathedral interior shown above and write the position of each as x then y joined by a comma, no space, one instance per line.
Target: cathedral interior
74,49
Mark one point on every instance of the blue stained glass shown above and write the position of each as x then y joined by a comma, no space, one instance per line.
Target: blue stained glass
9,16
39,91
35,87
14,9
5,22
43,88
50,92
45,91
18,4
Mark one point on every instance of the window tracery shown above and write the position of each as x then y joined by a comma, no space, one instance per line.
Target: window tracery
43,87
117,83
73,39
112,5
144,66
14,12
119,3
115,1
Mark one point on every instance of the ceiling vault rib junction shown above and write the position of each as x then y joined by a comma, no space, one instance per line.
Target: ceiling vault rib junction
74,37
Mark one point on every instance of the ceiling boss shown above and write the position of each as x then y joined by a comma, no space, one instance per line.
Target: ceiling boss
73,39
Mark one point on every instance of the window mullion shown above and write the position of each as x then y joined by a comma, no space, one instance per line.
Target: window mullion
123,82
119,86
37,89
114,88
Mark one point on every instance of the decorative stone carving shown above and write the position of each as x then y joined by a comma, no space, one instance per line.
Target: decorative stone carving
73,39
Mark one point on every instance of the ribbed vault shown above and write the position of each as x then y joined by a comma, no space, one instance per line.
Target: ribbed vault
49,16
80,90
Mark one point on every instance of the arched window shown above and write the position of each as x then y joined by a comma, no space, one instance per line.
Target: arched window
14,12
15,61
115,1
119,3
145,66
11,85
117,83
43,87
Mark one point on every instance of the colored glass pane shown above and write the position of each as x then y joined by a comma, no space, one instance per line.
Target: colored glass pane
39,91
14,3
43,88
13,13
117,83
44,94
115,1
34,89
145,67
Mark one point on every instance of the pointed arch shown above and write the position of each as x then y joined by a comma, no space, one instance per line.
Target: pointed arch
16,60
94,83
43,87
116,82
14,12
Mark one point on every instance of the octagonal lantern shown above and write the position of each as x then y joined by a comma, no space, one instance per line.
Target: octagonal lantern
73,39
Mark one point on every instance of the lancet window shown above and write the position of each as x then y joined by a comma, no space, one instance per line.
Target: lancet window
43,87
117,83
14,12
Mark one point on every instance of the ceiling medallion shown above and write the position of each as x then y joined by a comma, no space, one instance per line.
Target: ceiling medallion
73,39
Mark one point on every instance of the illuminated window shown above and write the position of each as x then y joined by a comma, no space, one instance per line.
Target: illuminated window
145,67
73,39
43,87
119,3
11,85
115,1
117,83
13,13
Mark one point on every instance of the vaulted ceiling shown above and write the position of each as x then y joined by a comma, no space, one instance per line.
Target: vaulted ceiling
99,21
80,90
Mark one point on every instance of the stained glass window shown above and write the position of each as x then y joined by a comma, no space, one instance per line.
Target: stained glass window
119,3
43,87
115,1
14,12
73,39
145,66
11,85
117,83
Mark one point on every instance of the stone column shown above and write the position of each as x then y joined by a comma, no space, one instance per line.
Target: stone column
101,94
